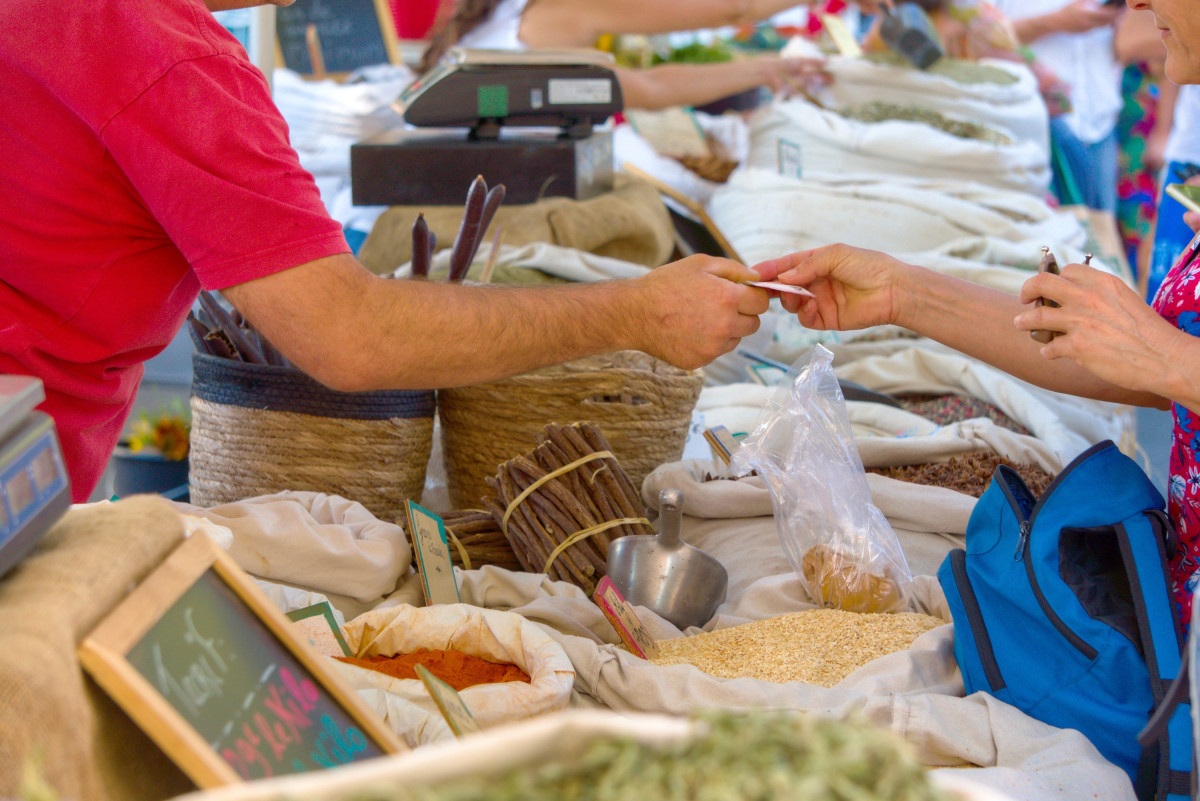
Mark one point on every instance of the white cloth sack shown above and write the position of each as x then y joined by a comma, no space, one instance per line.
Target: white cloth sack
1016,108
563,737
571,264
818,140
765,215
315,541
494,635
916,693
1068,425
737,407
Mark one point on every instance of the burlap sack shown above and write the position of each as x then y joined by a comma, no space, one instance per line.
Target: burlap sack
629,223
497,636
89,750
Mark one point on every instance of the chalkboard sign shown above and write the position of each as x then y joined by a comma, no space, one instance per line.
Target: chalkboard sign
351,33
199,658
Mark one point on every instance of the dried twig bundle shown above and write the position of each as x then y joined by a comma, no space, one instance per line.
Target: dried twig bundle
563,503
476,532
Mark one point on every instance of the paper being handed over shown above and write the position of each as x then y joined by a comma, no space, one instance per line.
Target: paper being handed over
778,287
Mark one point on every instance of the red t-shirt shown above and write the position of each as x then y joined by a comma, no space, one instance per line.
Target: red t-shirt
141,159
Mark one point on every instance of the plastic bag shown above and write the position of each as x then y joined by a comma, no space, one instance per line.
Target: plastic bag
834,537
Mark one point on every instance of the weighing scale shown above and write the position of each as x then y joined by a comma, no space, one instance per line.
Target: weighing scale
469,105
34,488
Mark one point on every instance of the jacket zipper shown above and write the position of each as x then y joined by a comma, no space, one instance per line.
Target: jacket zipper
1022,554
983,643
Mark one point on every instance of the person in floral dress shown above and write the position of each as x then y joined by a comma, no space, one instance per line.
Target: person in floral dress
1109,343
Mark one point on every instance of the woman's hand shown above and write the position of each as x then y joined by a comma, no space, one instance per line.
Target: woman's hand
1102,325
854,288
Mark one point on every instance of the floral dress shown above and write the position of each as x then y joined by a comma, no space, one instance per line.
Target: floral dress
1178,301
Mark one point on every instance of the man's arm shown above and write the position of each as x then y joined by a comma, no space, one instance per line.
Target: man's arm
352,330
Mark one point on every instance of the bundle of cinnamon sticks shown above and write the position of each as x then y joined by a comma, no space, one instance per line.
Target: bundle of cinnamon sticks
560,501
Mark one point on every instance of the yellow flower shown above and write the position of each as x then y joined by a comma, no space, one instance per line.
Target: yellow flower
166,432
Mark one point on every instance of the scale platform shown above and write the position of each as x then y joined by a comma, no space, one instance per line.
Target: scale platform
523,119
34,488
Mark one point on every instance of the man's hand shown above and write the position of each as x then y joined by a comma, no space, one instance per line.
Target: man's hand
854,288
691,311
1102,324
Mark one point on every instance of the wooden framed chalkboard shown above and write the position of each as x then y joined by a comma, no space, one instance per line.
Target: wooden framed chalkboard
350,33
213,673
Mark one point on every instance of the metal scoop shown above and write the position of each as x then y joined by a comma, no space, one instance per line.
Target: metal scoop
678,582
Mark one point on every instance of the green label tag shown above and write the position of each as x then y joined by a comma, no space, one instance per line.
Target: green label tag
493,101
449,703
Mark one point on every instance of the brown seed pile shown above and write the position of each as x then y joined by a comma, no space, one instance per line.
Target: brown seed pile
971,473
817,646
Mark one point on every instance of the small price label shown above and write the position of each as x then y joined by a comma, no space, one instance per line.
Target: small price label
843,40
449,703
320,628
789,159
721,442
622,617
428,534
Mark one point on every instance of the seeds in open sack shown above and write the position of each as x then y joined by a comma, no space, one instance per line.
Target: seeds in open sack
733,757
456,668
970,473
817,646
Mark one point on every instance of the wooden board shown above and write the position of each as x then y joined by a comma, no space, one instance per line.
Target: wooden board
690,204
350,33
214,674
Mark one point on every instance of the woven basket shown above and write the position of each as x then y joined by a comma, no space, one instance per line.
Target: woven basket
642,404
259,429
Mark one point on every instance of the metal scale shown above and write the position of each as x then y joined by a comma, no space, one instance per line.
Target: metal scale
34,488
469,105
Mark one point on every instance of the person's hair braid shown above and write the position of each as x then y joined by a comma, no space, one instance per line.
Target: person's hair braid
468,15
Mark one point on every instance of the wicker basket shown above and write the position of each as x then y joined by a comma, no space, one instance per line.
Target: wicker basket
259,429
642,404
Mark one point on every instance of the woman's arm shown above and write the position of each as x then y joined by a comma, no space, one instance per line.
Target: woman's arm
857,288
579,23
670,85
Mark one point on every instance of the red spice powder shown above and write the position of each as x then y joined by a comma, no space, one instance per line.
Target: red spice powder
457,669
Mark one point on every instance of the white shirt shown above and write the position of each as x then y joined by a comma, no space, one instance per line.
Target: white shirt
1184,142
1083,60
499,31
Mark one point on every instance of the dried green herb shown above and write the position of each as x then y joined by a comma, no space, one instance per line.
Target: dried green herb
759,756
878,111
953,69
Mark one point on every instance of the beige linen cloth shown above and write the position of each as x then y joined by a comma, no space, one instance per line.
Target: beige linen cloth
313,541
